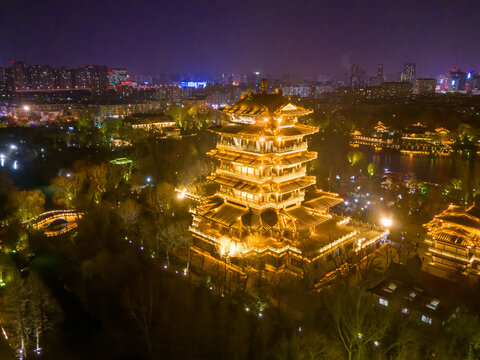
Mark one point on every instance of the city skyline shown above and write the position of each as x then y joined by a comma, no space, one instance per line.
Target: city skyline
408,72
277,38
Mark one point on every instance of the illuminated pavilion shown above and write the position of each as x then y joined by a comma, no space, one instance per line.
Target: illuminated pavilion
265,208
453,240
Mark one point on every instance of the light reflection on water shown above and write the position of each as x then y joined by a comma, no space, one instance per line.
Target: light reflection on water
432,169
333,159
9,164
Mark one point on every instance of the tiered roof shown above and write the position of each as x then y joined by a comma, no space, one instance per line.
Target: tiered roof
265,188
257,131
267,116
456,225
239,217
262,159
264,104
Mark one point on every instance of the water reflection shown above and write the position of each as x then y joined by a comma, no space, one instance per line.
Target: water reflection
438,170
9,164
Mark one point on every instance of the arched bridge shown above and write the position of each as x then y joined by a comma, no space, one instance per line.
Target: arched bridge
55,222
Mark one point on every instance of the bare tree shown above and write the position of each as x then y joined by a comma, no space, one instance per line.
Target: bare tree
140,303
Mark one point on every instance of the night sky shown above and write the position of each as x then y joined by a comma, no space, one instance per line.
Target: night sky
297,36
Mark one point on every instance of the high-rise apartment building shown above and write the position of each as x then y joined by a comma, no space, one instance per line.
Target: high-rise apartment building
80,78
409,73
442,83
457,80
475,83
19,75
93,77
379,79
357,76
39,77
65,78
3,83
117,77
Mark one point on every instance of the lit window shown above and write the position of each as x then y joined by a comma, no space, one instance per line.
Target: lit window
390,287
433,304
426,319
405,311
383,302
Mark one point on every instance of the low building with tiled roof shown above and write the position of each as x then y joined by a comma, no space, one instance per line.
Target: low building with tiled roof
161,123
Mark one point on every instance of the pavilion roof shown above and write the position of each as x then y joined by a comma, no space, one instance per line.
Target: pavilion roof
262,159
456,225
242,158
294,158
294,185
267,187
256,131
265,104
455,235
265,220
323,203
239,184
304,219
227,215
294,219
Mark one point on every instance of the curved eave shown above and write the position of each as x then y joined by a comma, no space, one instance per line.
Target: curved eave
258,160
265,188
255,131
294,113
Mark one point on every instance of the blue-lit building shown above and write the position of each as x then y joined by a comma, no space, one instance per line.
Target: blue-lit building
193,84
457,81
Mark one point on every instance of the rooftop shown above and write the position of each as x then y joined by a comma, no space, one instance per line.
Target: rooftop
256,131
265,104
418,290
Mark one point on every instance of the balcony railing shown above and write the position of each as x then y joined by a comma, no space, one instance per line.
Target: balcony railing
260,205
254,178
262,178
289,176
263,150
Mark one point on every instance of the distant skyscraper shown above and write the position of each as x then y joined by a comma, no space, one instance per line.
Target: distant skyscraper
457,80
19,75
379,74
116,77
357,76
442,83
409,72
253,79
3,84
476,83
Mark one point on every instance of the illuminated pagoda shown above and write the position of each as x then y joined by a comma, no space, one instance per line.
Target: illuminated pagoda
263,209
453,240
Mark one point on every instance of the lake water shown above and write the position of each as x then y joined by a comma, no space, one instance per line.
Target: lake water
431,169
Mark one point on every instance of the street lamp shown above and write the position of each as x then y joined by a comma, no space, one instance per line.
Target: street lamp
228,249
26,107
181,195
386,222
